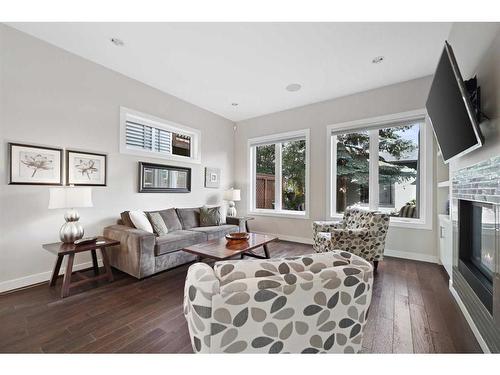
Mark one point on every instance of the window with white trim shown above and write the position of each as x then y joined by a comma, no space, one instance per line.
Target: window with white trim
147,135
279,174
382,165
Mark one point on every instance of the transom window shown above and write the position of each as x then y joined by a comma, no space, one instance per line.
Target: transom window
279,174
382,165
151,136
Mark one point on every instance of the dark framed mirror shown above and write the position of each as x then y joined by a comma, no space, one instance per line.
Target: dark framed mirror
160,178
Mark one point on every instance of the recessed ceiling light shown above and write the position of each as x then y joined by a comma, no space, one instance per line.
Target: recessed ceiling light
378,59
234,104
117,42
293,87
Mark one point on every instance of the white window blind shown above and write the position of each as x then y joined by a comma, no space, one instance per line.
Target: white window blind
146,137
143,134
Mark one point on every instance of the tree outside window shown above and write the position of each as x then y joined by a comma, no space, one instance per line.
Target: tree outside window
397,169
292,186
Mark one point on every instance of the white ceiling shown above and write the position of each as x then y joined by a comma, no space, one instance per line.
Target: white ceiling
215,64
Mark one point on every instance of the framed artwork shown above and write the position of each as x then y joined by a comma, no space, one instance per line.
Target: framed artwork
159,178
212,178
35,165
85,168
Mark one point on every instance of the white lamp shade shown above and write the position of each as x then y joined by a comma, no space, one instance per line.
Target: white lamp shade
232,195
70,197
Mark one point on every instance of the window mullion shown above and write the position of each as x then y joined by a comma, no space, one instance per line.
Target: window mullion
252,174
278,175
333,175
373,188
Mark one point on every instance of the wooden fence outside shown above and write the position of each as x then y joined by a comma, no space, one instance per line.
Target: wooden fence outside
264,190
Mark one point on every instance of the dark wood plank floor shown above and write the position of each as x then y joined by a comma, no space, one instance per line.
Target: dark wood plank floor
412,312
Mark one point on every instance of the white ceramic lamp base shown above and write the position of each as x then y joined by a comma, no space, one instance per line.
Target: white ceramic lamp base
231,209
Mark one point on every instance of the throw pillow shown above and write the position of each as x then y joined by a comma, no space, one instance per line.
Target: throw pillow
125,216
140,221
158,224
210,216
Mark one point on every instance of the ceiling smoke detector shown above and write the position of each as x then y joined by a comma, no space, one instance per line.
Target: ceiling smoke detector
293,87
234,104
117,42
378,59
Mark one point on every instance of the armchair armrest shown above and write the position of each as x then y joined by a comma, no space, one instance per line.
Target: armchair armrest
327,226
135,254
201,285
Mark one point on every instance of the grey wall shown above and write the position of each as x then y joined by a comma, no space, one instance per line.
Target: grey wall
477,49
397,98
54,98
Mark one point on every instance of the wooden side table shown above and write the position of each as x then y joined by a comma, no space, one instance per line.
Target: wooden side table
241,221
61,249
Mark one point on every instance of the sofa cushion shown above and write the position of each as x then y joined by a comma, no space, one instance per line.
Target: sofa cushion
217,231
125,216
210,216
189,217
177,240
140,220
158,224
171,219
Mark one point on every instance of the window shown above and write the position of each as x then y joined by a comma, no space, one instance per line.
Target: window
279,171
383,164
147,135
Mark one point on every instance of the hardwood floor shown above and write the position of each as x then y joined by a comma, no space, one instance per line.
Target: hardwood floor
412,312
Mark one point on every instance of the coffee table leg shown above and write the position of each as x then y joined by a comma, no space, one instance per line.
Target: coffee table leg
266,251
95,265
55,272
67,276
107,266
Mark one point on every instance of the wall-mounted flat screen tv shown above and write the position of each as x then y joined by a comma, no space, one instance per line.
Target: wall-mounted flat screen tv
453,117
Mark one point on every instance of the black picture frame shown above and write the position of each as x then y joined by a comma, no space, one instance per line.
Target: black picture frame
11,145
143,188
68,182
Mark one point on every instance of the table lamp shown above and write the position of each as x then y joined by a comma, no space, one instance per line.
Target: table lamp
231,196
70,198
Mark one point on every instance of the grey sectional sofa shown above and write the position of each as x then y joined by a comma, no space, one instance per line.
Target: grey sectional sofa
142,254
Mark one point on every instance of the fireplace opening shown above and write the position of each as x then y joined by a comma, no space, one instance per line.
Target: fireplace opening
476,240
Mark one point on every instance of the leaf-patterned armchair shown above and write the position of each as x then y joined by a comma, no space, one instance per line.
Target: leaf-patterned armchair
307,304
361,232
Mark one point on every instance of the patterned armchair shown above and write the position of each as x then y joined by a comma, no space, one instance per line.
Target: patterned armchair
361,232
306,304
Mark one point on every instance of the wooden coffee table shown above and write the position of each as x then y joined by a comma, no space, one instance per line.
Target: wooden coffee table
221,250
62,249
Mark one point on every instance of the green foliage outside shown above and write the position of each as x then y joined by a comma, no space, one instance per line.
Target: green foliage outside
293,160
352,165
353,161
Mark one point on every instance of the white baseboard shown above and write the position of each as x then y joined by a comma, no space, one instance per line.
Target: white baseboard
388,252
469,319
37,278
412,255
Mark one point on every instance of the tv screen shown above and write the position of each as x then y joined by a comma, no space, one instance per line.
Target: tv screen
450,110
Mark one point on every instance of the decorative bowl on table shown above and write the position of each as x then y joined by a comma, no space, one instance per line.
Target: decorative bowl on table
236,238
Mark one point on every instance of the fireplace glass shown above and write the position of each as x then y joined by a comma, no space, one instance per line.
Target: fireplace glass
477,224
483,238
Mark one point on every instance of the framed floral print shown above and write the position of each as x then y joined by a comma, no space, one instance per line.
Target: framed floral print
35,165
85,168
